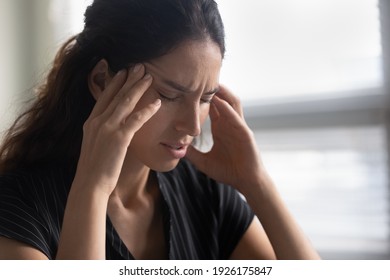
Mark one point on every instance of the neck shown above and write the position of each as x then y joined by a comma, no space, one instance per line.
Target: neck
134,182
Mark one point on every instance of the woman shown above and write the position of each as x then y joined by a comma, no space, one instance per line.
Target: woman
102,167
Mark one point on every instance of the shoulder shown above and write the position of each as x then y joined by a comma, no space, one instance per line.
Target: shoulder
34,183
41,189
32,201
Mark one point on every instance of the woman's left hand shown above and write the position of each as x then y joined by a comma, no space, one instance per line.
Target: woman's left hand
233,158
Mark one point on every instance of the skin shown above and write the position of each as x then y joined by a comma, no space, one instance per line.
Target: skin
141,116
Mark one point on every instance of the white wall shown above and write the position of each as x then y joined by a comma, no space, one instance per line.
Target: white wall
10,59
25,52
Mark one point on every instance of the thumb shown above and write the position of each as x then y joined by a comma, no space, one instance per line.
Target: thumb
197,158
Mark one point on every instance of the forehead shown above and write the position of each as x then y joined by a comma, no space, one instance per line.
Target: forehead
193,64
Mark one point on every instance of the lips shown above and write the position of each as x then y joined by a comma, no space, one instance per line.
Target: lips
176,150
175,147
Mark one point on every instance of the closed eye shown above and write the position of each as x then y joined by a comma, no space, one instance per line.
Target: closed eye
207,98
167,98
207,101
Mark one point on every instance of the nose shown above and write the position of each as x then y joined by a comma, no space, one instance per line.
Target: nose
188,120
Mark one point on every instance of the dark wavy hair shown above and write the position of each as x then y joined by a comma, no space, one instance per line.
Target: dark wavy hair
124,32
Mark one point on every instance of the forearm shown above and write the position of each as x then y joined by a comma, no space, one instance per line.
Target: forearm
84,226
285,235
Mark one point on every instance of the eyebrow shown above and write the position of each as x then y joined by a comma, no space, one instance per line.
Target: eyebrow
184,89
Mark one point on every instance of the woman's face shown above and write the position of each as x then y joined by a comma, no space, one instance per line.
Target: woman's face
185,80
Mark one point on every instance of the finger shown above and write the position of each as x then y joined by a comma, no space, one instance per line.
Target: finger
110,91
127,103
225,110
225,94
137,119
214,114
197,158
134,75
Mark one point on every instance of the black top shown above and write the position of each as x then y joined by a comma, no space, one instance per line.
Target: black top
203,219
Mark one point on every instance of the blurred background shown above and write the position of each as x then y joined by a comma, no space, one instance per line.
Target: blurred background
313,76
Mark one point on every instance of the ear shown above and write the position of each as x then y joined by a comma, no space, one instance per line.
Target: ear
99,78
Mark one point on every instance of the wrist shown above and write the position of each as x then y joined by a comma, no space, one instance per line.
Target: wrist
85,196
260,190
85,185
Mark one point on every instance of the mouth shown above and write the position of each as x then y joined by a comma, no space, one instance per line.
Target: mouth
176,150
174,147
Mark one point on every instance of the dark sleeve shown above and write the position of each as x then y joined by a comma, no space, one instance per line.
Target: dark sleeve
19,215
235,216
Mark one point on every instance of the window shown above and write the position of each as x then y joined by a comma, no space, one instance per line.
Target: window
301,47
310,76
334,180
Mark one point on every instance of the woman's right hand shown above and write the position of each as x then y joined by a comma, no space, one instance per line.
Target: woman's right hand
111,126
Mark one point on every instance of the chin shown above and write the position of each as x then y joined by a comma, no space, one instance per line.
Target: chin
164,166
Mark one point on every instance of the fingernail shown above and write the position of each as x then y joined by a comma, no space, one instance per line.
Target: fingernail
137,67
157,102
120,72
147,76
